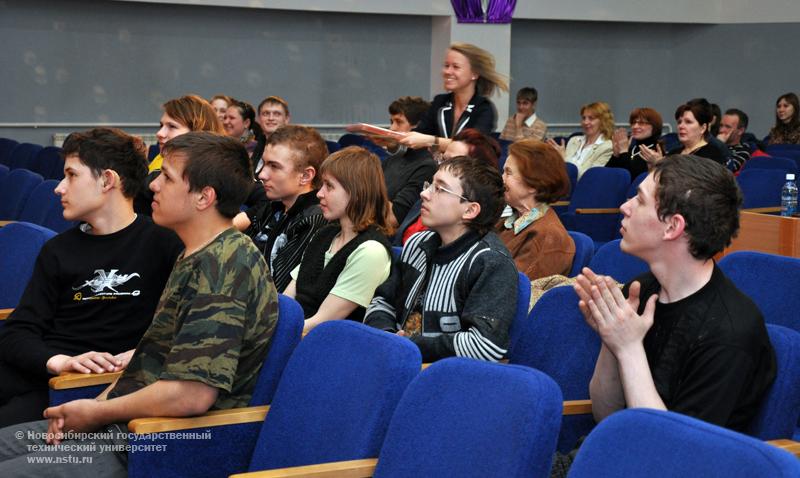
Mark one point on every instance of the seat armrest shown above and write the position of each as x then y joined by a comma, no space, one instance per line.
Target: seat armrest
763,210
233,416
6,223
76,380
4,313
597,210
791,446
577,407
560,203
338,469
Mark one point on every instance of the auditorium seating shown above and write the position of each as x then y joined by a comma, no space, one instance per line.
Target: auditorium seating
49,163
44,208
6,146
594,206
761,187
610,260
334,402
584,250
15,189
22,155
642,442
771,162
20,243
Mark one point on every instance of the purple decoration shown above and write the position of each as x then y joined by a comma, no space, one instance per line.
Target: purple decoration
483,11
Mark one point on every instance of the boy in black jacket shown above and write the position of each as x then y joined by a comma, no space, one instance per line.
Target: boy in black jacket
94,287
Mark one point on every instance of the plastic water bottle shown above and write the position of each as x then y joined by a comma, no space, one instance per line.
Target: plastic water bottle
789,196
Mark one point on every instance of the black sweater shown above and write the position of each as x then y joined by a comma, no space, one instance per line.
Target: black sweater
405,173
315,280
87,293
632,159
438,120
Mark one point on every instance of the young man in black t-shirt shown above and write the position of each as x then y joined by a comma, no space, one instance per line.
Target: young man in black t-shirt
681,337
94,287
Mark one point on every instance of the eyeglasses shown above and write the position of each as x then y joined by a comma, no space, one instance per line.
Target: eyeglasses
435,188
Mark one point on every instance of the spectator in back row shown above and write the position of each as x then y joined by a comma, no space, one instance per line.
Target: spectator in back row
406,169
646,126
283,227
220,104
273,112
524,123
694,122
787,121
534,176
732,128
593,147
449,293
240,123
94,287
346,260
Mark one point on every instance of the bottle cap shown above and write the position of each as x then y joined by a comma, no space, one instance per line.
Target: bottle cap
790,176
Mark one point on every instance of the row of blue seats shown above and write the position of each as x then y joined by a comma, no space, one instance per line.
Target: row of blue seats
26,196
45,161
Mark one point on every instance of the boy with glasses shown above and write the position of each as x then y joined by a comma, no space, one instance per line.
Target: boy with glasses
449,293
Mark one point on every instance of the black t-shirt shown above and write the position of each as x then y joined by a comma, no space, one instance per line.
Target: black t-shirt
89,292
709,353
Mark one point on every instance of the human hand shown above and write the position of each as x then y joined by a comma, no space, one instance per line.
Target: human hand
619,141
89,362
651,156
560,147
416,140
76,416
724,136
518,119
124,358
610,314
401,333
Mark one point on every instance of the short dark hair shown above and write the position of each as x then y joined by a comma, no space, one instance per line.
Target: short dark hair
307,145
700,108
739,114
248,113
705,193
273,100
528,93
111,148
541,167
412,107
481,183
216,161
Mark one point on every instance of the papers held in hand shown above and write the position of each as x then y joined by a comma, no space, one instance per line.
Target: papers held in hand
372,130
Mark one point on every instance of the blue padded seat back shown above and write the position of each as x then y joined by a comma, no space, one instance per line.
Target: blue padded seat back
336,396
786,165
15,189
288,332
521,314
610,260
780,408
761,187
598,188
22,155
49,163
584,251
642,442
6,146
771,281
467,418
20,243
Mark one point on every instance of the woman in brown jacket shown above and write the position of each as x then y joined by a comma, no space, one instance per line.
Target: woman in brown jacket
534,176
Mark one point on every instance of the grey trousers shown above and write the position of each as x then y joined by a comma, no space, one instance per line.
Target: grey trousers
24,453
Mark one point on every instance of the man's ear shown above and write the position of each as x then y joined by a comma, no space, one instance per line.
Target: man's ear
207,197
472,211
109,179
676,225
308,175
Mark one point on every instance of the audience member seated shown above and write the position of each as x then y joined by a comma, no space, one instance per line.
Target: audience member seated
681,337
240,123
181,115
179,368
346,261
470,78
94,287
592,148
534,176
449,293
732,128
406,169
273,112
283,227
220,104
524,123
646,126
694,121
469,142
787,121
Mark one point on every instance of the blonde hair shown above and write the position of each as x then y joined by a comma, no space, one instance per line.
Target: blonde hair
360,174
482,63
602,110
195,113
